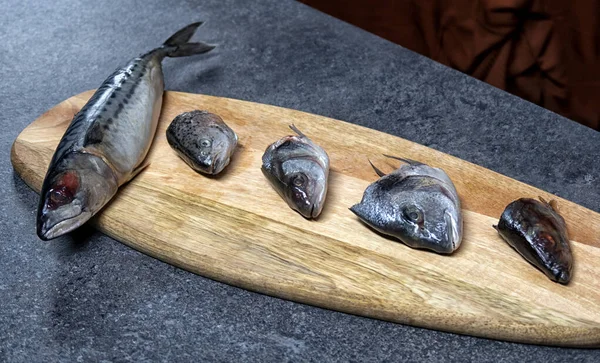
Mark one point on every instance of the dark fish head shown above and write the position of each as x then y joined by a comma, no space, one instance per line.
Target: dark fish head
72,193
539,234
420,219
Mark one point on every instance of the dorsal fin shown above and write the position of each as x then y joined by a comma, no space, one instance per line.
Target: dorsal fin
379,172
296,130
408,161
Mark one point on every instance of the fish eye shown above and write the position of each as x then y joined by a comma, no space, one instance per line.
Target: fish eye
413,214
59,196
299,180
205,143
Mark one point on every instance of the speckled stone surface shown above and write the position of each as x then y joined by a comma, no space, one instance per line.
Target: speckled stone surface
89,298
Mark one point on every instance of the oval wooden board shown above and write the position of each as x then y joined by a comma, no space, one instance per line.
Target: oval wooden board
235,228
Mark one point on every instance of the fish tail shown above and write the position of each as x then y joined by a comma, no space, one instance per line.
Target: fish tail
178,44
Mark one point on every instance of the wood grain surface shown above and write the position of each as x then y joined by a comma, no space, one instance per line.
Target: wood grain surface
234,228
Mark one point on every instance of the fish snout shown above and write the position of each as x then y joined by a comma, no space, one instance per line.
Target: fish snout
453,231
211,164
306,209
315,210
562,276
51,224
43,228
219,163
309,210
205,163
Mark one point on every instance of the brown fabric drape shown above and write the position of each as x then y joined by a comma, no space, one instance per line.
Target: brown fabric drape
545,51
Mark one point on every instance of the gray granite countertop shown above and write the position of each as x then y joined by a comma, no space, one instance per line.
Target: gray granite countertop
89,298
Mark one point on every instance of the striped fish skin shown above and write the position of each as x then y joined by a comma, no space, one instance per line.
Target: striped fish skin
108,139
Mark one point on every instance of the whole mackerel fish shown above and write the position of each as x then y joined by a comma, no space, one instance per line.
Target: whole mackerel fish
107,141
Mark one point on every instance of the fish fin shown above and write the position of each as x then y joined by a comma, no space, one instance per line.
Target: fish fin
94,134
296,130
182,36
379,172
552,203
178,46
408,161
495,227
187,49
136,171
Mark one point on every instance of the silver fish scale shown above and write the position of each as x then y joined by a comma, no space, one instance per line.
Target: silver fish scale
425,171
296,147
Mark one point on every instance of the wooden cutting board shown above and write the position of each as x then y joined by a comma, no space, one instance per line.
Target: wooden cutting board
234,228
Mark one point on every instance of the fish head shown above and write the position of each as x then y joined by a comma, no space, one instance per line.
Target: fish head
539,234
299,171
73,191
306,192
427,220
202,140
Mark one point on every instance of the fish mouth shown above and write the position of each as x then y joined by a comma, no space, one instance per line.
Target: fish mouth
47,233
219,164
563,277
309,211
211,166
313,212
201,167
452,232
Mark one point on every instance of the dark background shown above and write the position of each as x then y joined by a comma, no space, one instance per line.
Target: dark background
545,51
87,297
